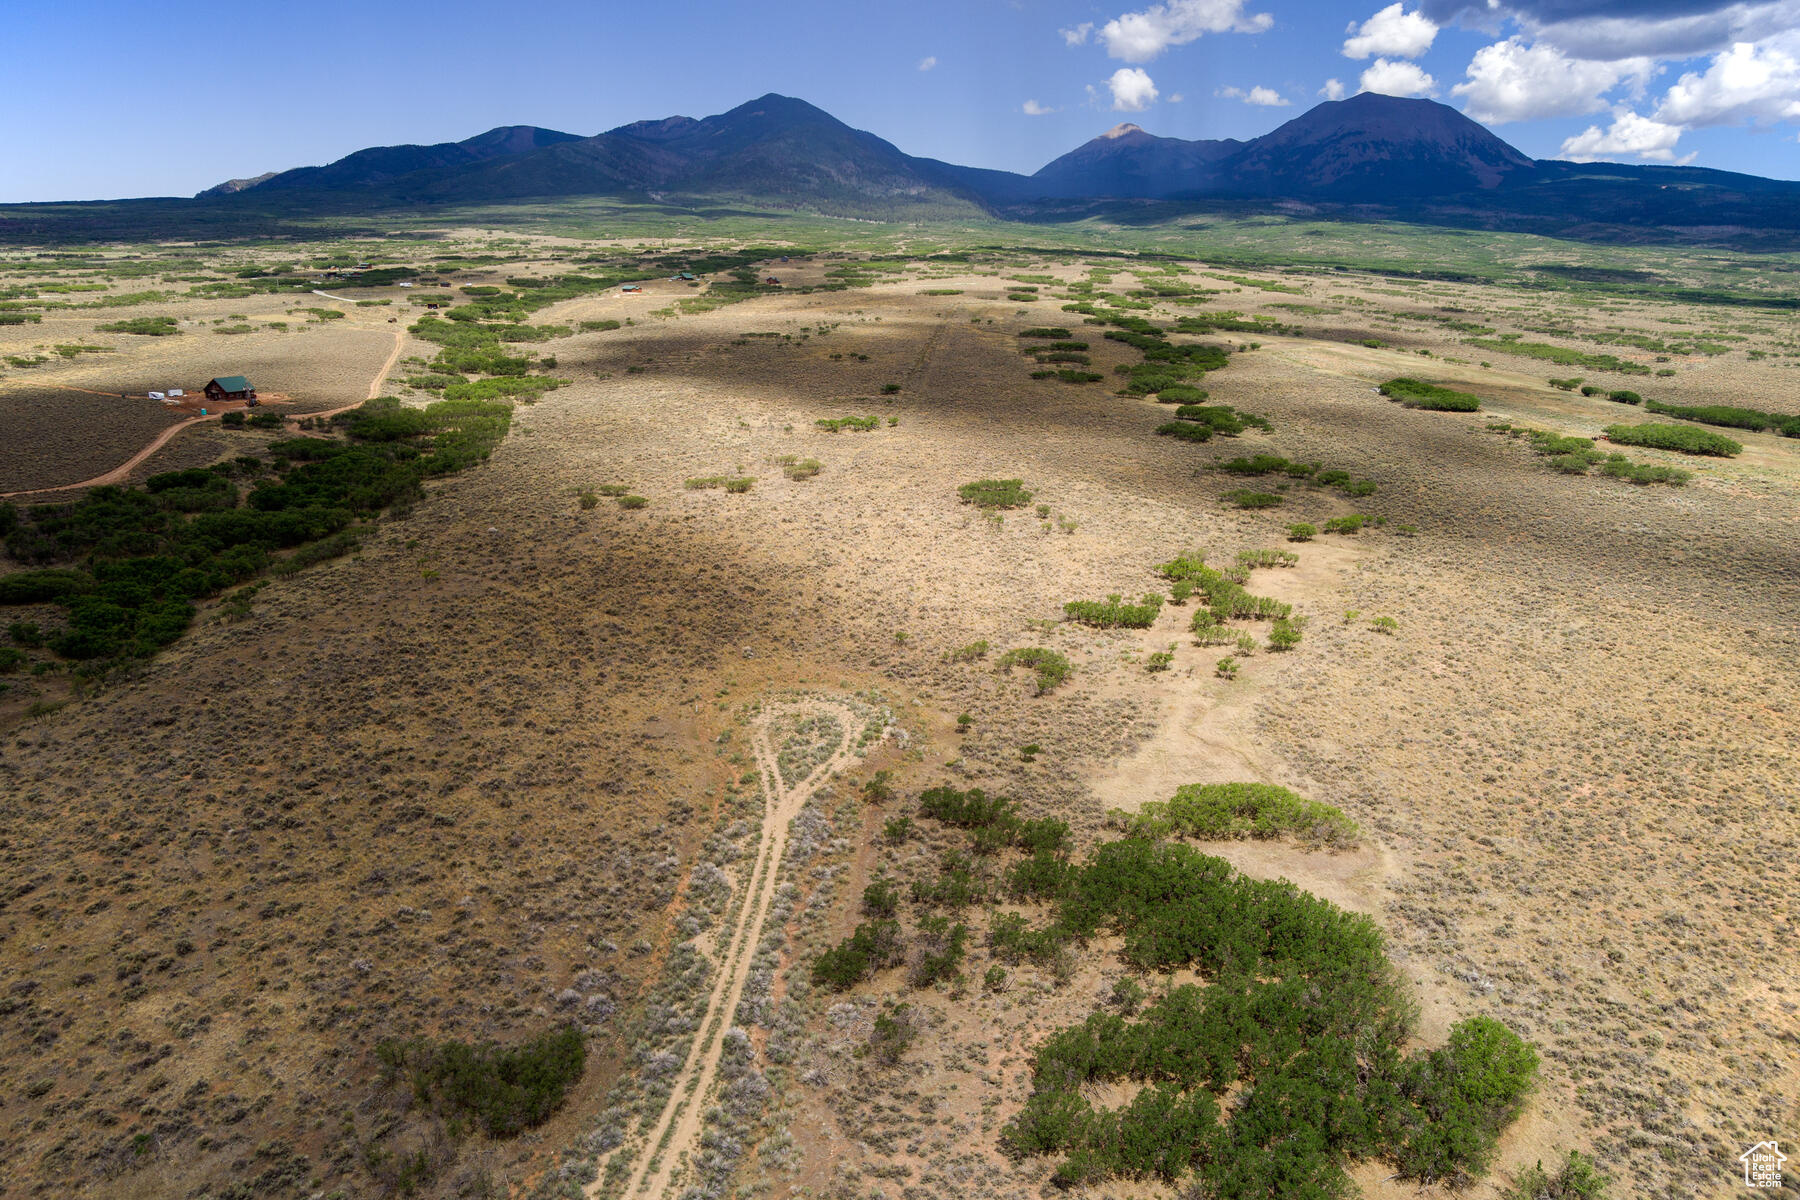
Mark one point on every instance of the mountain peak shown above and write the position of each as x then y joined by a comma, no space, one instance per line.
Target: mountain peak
1124,129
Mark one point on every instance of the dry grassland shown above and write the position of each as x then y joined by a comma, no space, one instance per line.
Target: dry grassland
495,772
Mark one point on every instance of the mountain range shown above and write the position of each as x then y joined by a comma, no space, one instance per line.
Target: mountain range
1371,154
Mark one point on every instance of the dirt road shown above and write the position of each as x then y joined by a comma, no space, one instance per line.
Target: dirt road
676,1134
122,472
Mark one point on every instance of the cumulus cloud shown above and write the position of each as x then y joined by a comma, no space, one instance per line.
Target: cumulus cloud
1132,89
1748,82
1141,36
1032,108
1078,35
1392,33
1397,79
1260,96
1333,89
1512,81
1629,136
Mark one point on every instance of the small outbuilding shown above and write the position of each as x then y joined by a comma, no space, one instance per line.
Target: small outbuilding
230,387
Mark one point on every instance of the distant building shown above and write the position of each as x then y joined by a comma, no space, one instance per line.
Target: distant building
230,387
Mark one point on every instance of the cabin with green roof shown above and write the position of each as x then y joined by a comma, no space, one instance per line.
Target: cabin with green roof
230,387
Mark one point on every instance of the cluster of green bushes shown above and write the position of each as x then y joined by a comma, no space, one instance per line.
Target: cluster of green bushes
1302,1022
1223,592
1508,343
995,493
1416,394
1684,438
1114,612
857,424
1221,418
1271,464
142,326
874,946
1165,364
1753,419
129,563
1242,810
506,1089
1069,375
1249,498
1187,431
736,484
1227,322
1182,393
1049,667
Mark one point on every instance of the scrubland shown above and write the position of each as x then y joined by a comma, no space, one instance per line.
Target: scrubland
495,774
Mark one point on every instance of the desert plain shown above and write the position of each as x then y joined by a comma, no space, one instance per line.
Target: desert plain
531,757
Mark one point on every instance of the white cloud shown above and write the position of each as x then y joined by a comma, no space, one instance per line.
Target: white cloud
1392,33
1511,81
1260,96
928,62
1333,89
1628,32
1397,79
1141,36
1032,108
1177,98
1132,89
1078,35
1748,82
1629,136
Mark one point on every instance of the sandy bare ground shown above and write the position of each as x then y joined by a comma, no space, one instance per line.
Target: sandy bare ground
677,1132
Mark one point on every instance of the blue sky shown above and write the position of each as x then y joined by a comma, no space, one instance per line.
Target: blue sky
131,99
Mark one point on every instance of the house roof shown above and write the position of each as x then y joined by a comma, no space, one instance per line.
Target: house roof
233,383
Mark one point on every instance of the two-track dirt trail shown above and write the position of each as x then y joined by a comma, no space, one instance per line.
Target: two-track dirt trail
672,1140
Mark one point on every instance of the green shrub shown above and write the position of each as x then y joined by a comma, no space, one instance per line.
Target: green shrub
1245,498
1224,811
995,493
857,424
1301,1023
1683,438
1619,467
1187,431
873,946
1285,634
893,1030
1349,524
1044,331
1261,464
1732,418
1578,1177
633,501
802,468
970,652
1114,613
1623,396
1050,667
507,1089
1415,394
1300,531
143,326
1221,418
